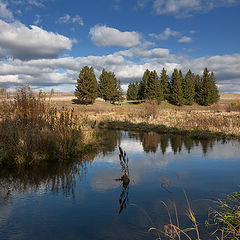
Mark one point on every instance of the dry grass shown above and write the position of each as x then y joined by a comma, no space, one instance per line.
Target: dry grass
32,131
223,117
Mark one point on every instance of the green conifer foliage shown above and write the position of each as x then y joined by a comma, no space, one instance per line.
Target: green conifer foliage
176,89
214,89
188,88
87,88
117,94
143,84
104,85
205,91
197,87
153,88
132,92
165,84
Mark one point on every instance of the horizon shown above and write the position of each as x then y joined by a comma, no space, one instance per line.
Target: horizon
46,43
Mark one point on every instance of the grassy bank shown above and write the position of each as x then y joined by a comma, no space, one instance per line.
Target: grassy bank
195,122
32,131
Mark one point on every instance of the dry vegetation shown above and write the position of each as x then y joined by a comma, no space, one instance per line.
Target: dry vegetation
33,131
222,118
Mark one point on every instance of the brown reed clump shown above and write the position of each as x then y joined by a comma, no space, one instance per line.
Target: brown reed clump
31,131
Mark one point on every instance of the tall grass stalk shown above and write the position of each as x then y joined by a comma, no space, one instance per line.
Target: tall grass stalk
173,230
226,217
31,131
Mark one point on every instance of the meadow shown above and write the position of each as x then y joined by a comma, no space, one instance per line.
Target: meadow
219,120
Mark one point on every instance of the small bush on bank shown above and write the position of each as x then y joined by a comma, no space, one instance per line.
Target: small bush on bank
32,131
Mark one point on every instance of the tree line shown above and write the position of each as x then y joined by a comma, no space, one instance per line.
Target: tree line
178,90
88,89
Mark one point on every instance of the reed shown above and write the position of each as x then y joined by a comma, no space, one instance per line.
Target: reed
32,131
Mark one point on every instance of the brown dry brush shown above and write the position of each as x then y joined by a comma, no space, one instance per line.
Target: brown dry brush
31,131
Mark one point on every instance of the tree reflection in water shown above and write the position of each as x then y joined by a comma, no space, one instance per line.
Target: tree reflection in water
62,176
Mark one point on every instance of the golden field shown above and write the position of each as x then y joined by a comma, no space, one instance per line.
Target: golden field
222,118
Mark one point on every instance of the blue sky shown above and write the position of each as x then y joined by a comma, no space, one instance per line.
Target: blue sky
47,42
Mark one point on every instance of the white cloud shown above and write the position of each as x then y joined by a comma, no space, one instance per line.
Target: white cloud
68,19
5,13
107,36
185,39
144,53
165,35
22,42
185,8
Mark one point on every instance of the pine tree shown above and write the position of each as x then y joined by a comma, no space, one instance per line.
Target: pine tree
106,85
87,88
143,84
165,84
176,89
153,88
197,87
132,92
214,89
205,91
188,88
117,94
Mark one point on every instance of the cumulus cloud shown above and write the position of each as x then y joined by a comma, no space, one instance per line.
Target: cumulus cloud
184,8
5,13
64,71
165,35
142,52
185,39
107,36
68,19
22,42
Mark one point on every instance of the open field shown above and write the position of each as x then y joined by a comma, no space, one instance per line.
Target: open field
221,119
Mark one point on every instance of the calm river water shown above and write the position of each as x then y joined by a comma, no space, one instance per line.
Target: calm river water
85,199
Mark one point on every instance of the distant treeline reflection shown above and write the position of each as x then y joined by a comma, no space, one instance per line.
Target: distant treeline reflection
61,177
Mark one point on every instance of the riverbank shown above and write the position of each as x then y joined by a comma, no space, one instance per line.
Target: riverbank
221,120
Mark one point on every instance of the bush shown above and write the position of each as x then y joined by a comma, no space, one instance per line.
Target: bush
32,131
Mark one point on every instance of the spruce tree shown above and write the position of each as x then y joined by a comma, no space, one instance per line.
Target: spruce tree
130,92
165,84
153,88
87,88
197,87
214,89
205,91
117,95
104,84
143,84
176,89
188,88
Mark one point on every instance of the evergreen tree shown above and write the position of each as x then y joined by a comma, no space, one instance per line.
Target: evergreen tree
165,84
143,84
205,91
106,85
214,89
176,96
132,92
197,87
87,88
188,88
117,94
153,88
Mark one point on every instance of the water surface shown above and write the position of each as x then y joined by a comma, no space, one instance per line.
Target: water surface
84,199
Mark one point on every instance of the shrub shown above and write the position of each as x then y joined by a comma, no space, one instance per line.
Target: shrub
31,131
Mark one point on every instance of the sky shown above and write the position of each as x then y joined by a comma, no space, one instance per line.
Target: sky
46,43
